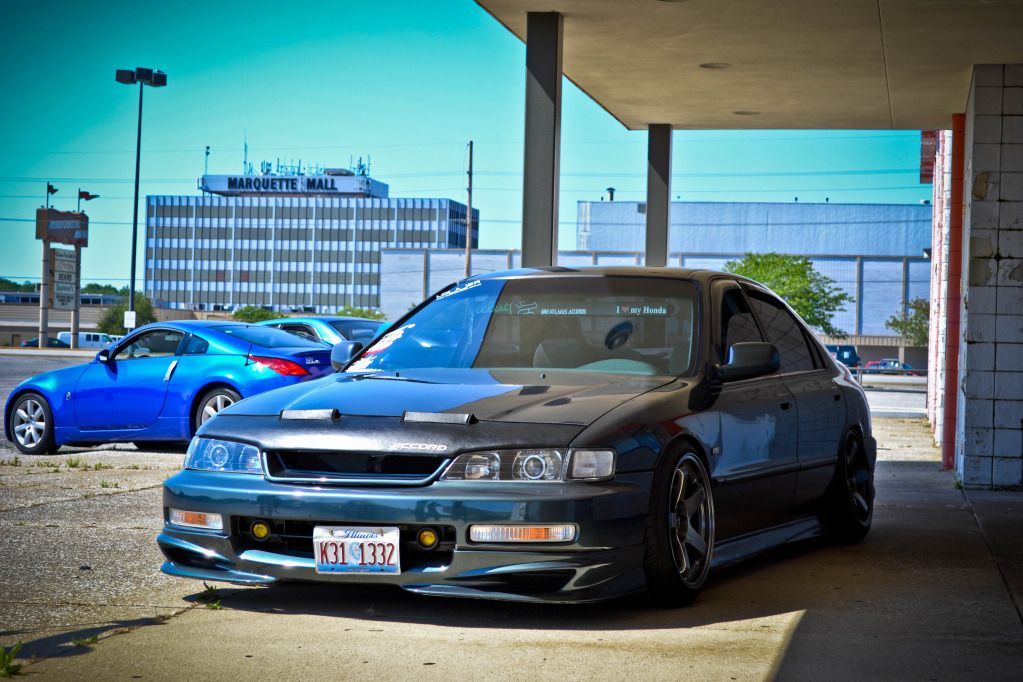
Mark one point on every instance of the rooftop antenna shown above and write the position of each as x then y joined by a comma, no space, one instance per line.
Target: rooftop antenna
206,163
245,159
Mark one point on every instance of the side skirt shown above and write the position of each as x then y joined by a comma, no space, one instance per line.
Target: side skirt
746,546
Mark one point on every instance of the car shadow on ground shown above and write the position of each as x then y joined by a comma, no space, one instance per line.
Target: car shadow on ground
726,597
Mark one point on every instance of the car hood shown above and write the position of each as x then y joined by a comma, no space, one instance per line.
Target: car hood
550,397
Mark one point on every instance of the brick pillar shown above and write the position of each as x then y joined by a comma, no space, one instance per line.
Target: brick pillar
990,423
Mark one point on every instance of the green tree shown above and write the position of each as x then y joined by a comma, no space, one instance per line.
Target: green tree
369,314
11,285
112,321
813,295
94,288
916,325
253,314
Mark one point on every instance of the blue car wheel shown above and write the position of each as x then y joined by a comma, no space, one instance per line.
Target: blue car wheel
32,425
213,402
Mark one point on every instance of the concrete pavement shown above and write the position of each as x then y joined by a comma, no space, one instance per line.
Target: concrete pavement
926,596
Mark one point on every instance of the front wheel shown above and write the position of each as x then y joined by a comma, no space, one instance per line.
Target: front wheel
850,497
32,425
212,403
680,530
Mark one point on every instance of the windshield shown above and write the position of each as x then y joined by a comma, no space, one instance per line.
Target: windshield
268,337
619,325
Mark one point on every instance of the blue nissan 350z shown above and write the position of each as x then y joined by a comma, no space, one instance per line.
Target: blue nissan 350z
157,385
560,435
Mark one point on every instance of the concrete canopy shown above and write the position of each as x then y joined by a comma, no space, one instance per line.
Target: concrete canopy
852,64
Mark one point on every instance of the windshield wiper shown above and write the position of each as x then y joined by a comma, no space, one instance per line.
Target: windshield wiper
390,377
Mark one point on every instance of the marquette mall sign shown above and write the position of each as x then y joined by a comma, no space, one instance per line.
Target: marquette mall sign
293,185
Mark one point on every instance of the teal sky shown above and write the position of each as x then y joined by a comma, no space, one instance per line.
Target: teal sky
404,83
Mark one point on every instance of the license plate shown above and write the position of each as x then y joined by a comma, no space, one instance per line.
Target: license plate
356,549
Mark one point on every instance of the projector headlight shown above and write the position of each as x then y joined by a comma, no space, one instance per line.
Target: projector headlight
540,464
210,454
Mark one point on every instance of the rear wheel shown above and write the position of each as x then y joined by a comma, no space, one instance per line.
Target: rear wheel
850,498
212,403
32,425
680,530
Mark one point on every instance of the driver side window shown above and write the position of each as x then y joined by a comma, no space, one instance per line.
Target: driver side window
737,323
152,344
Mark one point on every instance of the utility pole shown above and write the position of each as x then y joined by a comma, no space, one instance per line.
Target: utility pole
468,221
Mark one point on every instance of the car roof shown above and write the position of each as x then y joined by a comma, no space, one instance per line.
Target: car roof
699,275
320,318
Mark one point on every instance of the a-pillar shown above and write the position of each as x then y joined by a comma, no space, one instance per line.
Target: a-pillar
989,438
658,193
542,139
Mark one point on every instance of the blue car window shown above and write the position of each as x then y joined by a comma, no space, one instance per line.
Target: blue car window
267,337
196,345
153,344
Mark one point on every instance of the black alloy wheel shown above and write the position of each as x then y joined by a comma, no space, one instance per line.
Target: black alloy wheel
680,530
851,495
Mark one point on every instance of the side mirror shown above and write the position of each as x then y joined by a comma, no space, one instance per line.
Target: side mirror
103,355
749,360
342,353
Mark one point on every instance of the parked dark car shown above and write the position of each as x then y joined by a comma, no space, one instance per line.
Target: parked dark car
845,354
330,330
892,366
51,342
155,386
557,435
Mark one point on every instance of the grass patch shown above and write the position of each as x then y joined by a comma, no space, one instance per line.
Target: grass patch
134,466
209,597
16,462
109,484
47,464
100,466
8,668
85,641
73,462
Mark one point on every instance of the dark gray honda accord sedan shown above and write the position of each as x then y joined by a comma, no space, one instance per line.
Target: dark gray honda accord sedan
556,435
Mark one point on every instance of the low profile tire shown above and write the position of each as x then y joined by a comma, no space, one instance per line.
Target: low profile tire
212,403
680,530
32,425
850,497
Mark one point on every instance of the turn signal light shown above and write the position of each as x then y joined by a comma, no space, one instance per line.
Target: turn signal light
194,519
260,530
564,532
427,538
280,365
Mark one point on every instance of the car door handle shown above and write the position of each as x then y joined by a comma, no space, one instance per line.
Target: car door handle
170,371
786,406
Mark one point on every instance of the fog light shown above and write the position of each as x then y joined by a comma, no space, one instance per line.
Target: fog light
260,530
427,538
194,519
564,532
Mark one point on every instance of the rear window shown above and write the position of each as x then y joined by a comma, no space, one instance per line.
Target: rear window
267,337
356,331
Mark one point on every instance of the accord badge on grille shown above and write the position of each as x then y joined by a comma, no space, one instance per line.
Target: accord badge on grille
422,447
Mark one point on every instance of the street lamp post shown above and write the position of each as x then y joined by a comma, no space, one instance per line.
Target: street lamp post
156,79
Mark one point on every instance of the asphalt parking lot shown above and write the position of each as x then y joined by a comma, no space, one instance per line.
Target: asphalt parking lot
933,593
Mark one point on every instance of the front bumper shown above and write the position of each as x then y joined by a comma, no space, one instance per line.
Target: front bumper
605,560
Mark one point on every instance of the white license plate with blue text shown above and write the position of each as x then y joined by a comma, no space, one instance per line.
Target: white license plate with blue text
356,549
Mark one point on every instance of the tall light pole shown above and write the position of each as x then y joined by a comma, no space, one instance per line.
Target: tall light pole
156,79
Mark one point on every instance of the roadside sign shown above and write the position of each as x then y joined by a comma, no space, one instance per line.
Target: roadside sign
129,319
